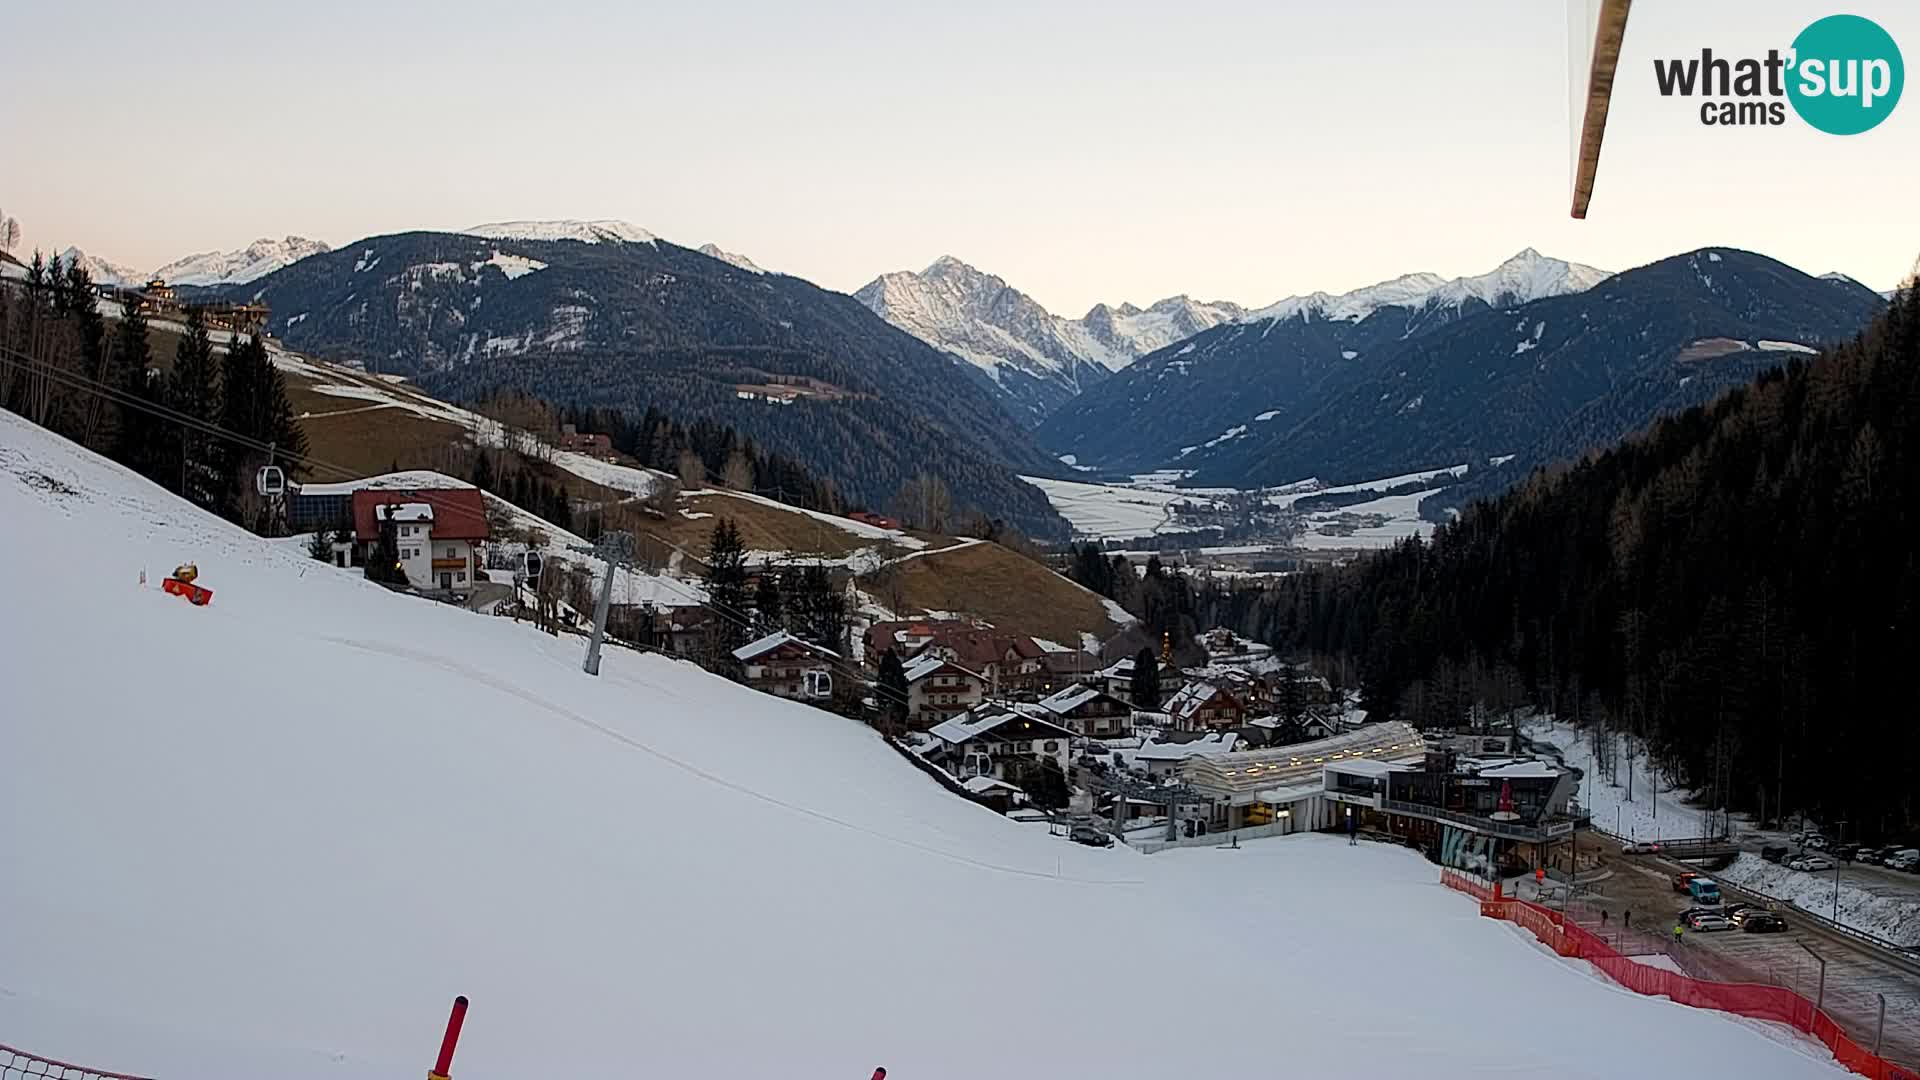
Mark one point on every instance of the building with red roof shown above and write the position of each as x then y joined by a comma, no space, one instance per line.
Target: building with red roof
437,532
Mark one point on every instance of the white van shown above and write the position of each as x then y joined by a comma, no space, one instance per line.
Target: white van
1905,859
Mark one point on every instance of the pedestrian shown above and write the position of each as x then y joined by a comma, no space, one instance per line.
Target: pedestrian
1678,929
1626,919
1603,916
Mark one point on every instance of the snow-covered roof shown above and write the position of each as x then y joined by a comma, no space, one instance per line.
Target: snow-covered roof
1065,701
1522,770
989,719
1221,742
1191,697
980,785
774,641
1119,669
404,512
927,663
1374,767
1243,775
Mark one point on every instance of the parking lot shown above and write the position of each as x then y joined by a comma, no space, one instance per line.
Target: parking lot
1856,973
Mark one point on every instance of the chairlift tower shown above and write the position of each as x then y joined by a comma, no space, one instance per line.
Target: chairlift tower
616,549
1170,795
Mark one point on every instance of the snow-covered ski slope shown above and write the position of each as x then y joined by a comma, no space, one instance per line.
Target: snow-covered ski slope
275,836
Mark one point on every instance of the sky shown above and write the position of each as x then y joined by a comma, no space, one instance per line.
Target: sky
1085,152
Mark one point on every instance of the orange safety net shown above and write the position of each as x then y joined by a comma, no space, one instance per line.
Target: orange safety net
1762,1002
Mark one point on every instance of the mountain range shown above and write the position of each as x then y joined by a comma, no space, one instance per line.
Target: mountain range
606,314
256,260
1218,386
1035,359
1518,382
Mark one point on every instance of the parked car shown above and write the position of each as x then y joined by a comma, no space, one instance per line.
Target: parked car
1736,911
1812,864
1818,842
1905,859
1773,853
1705,891
1708,920
1870,856
1090,836
1847,852
1762,922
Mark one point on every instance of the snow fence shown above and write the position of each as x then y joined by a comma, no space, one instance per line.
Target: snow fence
1759,1001
20,1065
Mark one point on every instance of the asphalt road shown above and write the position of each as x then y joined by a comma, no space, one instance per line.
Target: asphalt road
1856,973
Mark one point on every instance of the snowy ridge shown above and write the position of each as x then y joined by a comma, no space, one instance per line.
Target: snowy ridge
102,271
381,802
604,230
978,317
256,260
1527,276
713,251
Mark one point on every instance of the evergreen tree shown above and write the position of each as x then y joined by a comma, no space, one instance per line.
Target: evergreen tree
321,546
383,565
1289,697
727,585
769,607
140,439
194,392
483,471
1146,680
892,692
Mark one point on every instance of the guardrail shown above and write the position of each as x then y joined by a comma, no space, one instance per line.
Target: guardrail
1532,834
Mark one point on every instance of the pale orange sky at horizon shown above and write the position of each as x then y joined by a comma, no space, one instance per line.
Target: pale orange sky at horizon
1086,153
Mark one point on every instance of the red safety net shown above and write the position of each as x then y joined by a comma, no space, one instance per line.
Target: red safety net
1762,1002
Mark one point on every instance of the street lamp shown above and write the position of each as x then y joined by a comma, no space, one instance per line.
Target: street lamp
1821,997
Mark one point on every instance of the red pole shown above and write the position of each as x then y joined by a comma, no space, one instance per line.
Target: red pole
444,1064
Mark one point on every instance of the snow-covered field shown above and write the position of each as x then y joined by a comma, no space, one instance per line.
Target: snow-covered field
276,835
1113,512
1145,508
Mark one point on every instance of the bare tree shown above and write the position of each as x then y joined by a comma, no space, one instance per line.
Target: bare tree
9,233
738,474
693,471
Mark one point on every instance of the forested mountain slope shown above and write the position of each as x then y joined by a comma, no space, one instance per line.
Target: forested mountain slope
1738,584
631,323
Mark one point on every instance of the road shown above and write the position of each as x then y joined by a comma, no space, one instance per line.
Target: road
1856,972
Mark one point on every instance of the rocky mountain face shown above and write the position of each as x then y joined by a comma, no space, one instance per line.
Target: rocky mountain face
1037,360
605,314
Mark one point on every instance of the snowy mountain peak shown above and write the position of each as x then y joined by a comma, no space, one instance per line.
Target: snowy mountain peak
713,251
102,271
256,260
1526,276
600,231
1037,356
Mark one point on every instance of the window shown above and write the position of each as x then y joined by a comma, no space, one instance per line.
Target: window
451,555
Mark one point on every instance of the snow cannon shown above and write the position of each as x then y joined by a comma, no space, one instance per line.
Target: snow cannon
182,583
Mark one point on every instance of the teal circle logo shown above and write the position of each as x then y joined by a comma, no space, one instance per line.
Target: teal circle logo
1846,76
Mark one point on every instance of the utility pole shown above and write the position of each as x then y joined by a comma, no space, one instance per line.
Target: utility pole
617,549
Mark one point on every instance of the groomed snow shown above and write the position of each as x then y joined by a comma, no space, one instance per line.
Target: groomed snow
220,873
